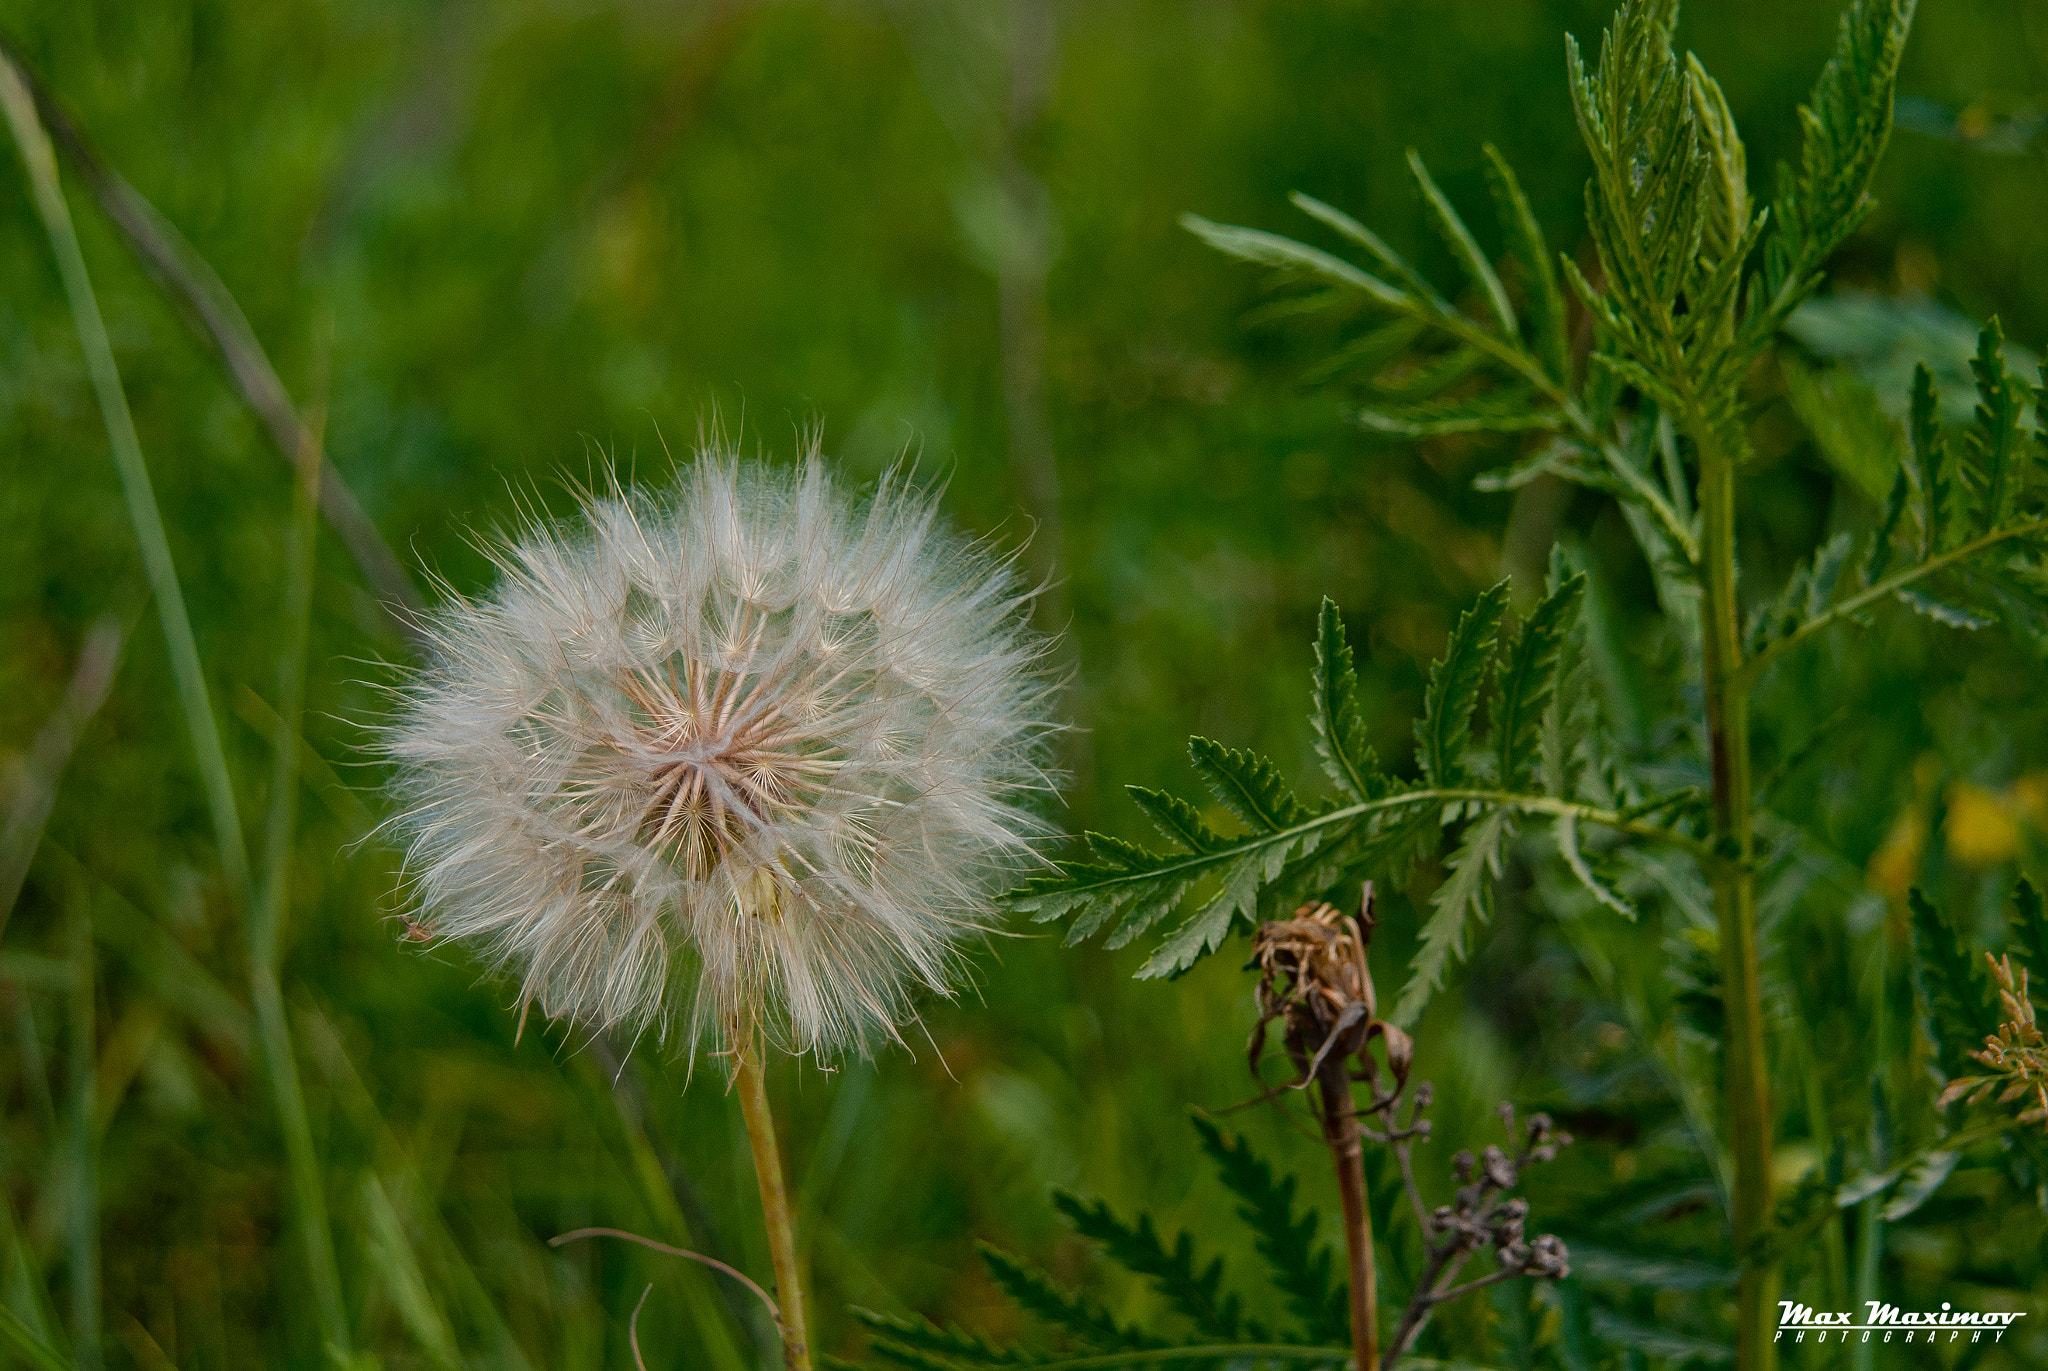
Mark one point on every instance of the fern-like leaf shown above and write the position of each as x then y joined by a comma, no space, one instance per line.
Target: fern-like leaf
2030,930
1197,1295
1996,453
920,1335
1446,724
1955,1005
1347,758
1930,452
1529,680
1301,1268
1846,123
1466,895
1038,1294
1247,784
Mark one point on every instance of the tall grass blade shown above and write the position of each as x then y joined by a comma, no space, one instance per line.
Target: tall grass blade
82,1141
41,162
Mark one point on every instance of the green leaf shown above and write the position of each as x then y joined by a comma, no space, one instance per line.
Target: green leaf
1301,1268
1942,612
1529,680
1922,1180
1955,1002
1248,785
1996,453
1237,896
1846,123
1855,435
1332,217
1176,819
1465,895
1339,723
16,1334
1545,303
2030,931
1575,860
1446,724
951,1342
1516,410
1459,239
1039,1294
1728,207
1197,1295
1879,560
1930,451
1272,250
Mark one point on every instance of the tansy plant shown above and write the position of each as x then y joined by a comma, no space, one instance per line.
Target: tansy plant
1686,290
740,761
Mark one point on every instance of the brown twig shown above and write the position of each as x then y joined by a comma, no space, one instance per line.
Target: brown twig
192,281
712,1262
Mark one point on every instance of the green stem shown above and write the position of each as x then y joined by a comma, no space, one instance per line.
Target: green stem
1746,675
1734,880
83,1219
752,1083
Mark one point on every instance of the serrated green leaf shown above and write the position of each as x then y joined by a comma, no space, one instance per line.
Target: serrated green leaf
1463,247
1247,784
1340,725
1046,1299
1852,431
1529,680
1196,1294
1993,443
1922,1180
1575,861
1879,560
2030,931
1176,819
1846,123
1954,1001
1237,896
1728,217
1930,451
1300,1267
1547,320
1446,724
1942,612
1466,895
952,1343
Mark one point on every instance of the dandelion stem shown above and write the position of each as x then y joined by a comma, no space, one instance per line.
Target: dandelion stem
752,1081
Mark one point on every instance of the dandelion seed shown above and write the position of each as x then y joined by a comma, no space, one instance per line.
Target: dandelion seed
742,754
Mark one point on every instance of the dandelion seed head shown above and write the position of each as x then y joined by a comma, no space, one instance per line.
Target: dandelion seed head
741,752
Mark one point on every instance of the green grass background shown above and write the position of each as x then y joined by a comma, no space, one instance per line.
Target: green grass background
531,237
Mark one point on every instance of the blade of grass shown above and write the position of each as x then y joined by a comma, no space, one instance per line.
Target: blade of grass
24,1295
41,162
272,1029
192,280
399,1268
50,753
266,917
16,1334
82,1141
350,1092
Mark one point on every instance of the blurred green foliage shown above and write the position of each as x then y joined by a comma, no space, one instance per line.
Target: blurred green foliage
505,243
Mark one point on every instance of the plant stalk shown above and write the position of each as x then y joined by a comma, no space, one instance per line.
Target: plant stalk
1734,881
752,1082
1347,1149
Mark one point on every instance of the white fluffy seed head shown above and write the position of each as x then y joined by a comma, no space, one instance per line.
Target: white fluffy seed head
744,752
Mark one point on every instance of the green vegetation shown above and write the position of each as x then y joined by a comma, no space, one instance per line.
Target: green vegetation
1697,855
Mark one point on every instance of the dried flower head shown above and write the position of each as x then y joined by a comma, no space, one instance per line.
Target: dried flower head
2017,1054
745,752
